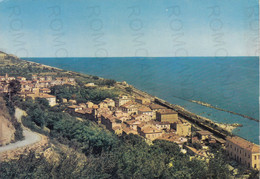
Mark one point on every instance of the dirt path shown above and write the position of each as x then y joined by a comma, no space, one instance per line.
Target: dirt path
29,136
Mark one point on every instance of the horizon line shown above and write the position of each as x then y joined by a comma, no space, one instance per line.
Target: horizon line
143,57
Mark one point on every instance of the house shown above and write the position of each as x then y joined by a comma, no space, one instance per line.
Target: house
89,104
243,151
48,78
45,90
130,107
142,100
145,110
34,77
2,78
182,128
99,112
127,130
71,80
64,100
203,134
50,98
83,105
102,105
95,106
110,102
72,101
194,152
151,132
166,115
124,118
118,130
41,78
35,90
11,78
19,78
156,107
132,124
174,138
121,100
90,85
162,125
65,79
141,117
110,121
220,141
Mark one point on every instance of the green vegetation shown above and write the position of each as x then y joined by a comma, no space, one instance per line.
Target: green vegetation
87,135
14,87
129,89
16,67
131,158
83,94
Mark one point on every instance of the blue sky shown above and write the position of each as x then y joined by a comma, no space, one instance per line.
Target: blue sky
111,28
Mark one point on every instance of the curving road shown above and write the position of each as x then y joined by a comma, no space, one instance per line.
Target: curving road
29,136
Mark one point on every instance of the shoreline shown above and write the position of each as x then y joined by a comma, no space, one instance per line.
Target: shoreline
221,129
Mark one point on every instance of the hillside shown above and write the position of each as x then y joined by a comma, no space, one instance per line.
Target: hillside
7,130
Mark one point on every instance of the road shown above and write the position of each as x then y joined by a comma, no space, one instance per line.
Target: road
29,136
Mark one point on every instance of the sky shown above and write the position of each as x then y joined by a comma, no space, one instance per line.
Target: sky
129,28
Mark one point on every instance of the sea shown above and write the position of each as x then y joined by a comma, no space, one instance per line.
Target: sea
230,83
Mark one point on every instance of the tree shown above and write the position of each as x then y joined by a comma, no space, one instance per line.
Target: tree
218,166
13,88
129,89
42,101
95,77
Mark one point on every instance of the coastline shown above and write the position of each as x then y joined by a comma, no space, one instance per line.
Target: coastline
223,129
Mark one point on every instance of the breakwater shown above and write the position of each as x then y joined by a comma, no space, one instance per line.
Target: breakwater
217,108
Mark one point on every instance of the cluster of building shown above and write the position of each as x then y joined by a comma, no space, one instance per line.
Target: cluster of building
141,116
135,115
38,87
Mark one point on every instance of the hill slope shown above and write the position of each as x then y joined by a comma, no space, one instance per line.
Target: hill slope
7,130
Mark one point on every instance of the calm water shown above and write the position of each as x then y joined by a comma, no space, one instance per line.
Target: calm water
230,83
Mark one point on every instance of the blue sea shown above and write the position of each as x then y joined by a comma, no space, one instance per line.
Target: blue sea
230,83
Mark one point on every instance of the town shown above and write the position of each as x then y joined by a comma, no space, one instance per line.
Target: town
128,114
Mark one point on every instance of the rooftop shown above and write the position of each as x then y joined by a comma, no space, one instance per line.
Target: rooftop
204,132
244,144
133,122
156,106
144,109
167,111
150,130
